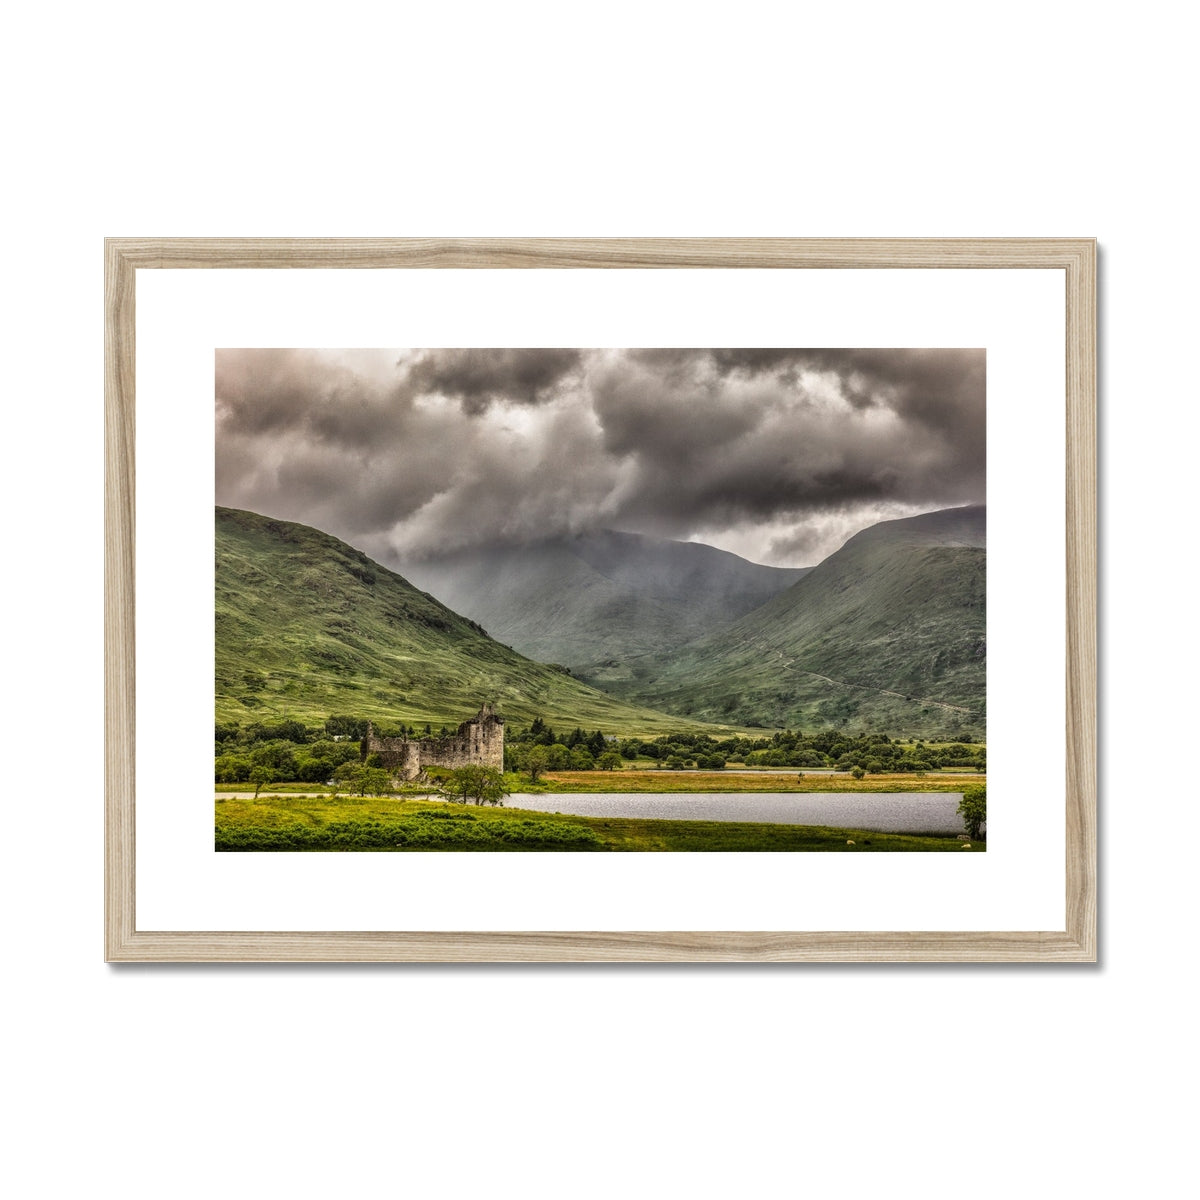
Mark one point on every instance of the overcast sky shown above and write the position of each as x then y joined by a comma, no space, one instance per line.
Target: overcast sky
777,455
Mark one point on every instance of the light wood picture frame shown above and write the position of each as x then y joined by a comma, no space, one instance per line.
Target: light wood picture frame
1075,941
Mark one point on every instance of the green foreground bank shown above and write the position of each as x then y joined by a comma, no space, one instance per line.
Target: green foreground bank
280,823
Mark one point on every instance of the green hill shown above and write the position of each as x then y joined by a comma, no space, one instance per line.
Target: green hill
592,601
888,634
308,627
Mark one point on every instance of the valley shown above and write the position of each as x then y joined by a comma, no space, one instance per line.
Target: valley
863,675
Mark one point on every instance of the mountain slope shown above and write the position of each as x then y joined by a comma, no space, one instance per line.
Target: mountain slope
307,627
591,601
888,633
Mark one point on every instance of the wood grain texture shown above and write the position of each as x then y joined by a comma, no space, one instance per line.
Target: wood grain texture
119,607
1075,942
1082,749
601,253
612,947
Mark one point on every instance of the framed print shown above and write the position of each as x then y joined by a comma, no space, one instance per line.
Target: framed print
600,600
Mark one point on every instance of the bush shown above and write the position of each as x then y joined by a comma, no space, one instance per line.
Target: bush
973,810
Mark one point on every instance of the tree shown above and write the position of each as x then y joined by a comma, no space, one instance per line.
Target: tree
374,780
361,779
313,770
259,776
346,727
232,768
350,774
973,810
483,785
278,755
536,762
581,758
610,760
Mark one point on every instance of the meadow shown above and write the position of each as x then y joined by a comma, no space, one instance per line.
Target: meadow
339,823
651,781
739,781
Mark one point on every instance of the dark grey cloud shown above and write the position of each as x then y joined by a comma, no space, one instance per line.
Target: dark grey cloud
778,454
929,385
336,401
723,436
481,378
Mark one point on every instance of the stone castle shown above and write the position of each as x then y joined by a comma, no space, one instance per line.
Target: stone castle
478,742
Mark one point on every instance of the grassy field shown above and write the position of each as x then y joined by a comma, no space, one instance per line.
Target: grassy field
679,781
326,823
732,781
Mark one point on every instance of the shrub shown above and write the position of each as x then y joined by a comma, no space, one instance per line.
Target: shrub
973,810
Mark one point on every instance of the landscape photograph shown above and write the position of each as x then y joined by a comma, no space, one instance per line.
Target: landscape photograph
567,600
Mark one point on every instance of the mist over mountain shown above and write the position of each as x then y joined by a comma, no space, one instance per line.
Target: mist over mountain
887,634
592,601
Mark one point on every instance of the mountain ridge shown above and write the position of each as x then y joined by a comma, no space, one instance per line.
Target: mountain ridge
888,633
589,599
308,627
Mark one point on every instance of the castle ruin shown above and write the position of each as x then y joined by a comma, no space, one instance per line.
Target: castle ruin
478,742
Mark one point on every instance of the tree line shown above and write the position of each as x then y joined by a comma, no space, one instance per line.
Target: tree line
290,751
870,753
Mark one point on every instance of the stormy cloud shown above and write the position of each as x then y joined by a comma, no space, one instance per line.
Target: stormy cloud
480,378
775,454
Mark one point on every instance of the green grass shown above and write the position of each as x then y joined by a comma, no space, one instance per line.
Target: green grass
649,782
329,824
721,781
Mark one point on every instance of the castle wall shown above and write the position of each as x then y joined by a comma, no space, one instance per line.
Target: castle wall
478,742
398,756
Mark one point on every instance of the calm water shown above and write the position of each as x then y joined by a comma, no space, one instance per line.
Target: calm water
888,812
